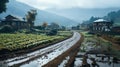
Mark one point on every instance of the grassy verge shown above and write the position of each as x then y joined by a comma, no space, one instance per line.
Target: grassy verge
95,41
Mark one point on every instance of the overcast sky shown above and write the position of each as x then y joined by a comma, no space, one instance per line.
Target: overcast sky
60,4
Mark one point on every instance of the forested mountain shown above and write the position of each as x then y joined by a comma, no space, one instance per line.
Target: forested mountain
113,16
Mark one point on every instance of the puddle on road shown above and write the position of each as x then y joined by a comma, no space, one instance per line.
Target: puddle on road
31,64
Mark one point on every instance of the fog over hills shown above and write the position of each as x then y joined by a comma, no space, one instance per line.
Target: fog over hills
20,9
66,16
80,14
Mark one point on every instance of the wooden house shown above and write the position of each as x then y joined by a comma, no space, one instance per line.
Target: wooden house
101,25
15,22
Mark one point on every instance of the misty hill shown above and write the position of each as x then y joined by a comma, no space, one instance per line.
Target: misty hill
19,9
113,16
80,14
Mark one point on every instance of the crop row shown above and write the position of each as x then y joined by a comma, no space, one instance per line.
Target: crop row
19,41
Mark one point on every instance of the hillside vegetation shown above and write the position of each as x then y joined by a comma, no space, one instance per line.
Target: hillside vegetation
113,16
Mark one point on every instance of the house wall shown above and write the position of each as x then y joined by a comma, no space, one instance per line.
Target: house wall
15,24
102,26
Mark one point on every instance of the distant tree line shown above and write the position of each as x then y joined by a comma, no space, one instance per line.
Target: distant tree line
113,16
50,29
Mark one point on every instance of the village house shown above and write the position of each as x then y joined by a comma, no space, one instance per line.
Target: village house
15,22
101,25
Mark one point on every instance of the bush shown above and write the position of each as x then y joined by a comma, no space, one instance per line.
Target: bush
52,32
6,29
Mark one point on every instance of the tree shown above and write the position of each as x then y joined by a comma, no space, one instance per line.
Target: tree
54,26
6,29
52,32
92,19
30,17
44,25
63,28
112,15
3,5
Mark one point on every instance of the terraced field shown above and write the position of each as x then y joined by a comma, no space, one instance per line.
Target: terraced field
20,41
42,57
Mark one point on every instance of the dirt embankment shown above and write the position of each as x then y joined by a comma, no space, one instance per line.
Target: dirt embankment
115,41
71,53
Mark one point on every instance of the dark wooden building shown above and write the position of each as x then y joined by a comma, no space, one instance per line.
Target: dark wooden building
101,25
15,22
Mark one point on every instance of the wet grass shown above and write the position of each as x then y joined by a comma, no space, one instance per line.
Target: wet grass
115,52
98,41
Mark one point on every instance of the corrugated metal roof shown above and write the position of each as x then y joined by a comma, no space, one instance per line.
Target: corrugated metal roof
100,20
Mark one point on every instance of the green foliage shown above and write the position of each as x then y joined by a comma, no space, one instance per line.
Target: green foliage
64,33
30,17
54,26
21,40
114,17
63,28
52,32
3,5
91,20
38,27
6,29
44,26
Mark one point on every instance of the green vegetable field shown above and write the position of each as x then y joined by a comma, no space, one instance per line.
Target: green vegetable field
21,40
